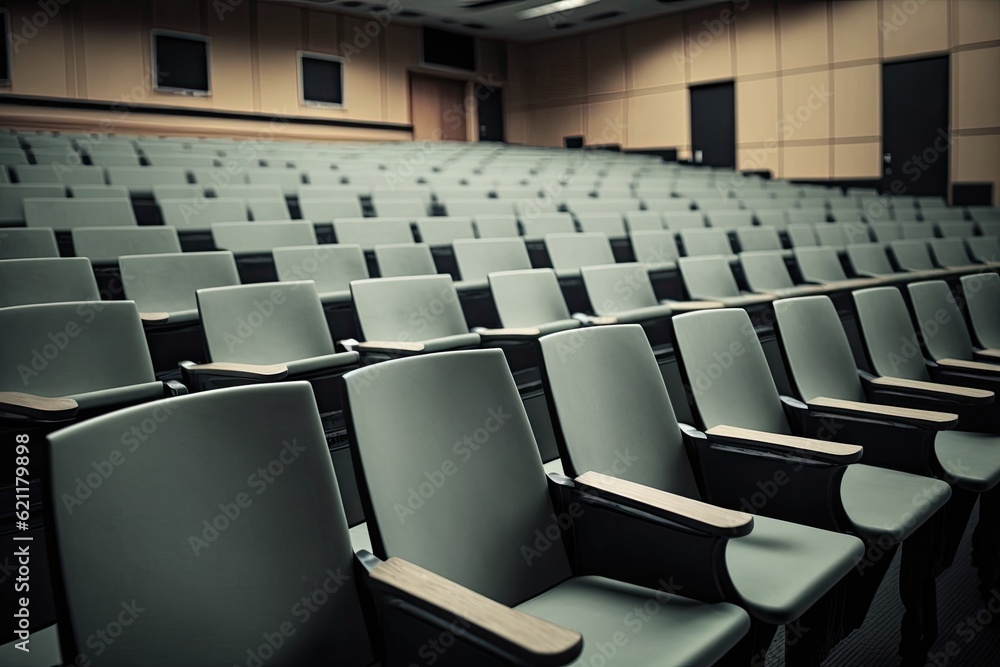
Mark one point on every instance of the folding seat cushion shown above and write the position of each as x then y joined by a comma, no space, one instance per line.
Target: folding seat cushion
495,226
444,231
413,314
666,204
530,299
703,242
611,224
46,280
685,220
12,198
141,181
59,174
729,219
262,237
62,214
328,210
643,221
570,252
163,286
268,209
331,267
758,238
982,300
404,259
471,384
104,245
369,232
536,227
198,215
21,243
655,249
479,207
477,258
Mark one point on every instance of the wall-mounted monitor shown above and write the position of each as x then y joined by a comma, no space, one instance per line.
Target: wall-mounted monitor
5,48
321,80
448,49
181,63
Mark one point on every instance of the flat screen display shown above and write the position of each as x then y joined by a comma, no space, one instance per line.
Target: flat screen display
181,63
322,80
449,49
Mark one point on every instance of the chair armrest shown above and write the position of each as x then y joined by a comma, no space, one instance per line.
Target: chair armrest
679,307
678,509
963,365
154,318
947,392
41,408
926,419
389,347
522,333
226,374
823,450
989,354
538,641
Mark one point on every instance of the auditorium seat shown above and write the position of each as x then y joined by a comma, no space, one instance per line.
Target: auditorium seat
331,267
914,256
757,238
982,301
916,231
822,266
946,337
399,208
163,285
60,174
369,232
288,180
622,293
404,259
62,214
940,214
479,207
610,391
806,216
489,226
876,504
655,249
611,224
477,258
12,198
729,219
461,390
775,219
766,273
141,181
950,253
956,229
20,243
710,278
46,280
444,231
570,252
98,191
530,300
537,227
871,261
643,221
705,242
198,215
667,204
676,222
247,238
985,249
886,232
104,245
191,193
838,235
602,205
801,236
268,208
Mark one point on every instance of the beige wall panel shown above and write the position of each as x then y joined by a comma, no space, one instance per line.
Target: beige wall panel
659,120
805,162
279,36
401,53
363,101
37,50
804,37
910,28
322,32
605,61
182,15
232,68
606,122
806,101
978,84
976,20
113,47
857,160
978,161
707,44
855,30
857,94
547,127
517,127
757,113
491,53
756,49
558,71
758,158
656,52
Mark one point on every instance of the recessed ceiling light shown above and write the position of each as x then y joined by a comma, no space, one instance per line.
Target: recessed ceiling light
553,8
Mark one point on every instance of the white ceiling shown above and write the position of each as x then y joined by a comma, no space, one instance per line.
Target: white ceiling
499,18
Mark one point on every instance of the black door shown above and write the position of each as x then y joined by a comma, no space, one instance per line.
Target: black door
490,113
915,141
713,124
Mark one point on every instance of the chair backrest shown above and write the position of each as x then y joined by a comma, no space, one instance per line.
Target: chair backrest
60,349
643,221
331,267
142,180
982,300
444,231
610,405
912,255
613,288
478,258
683,220
887,334
839,235
199,214
370,232
262,237
727,371
12,198
408,309
819,265
479,207
288,180
774,219
213,441
542,224
752,239
949,252
166,283
20,243
916,230
730,219
708,277
602,205
704,242
404,259
765,271
99,191
328,210
886,232
806,216
662,204
654,248
956,229
984,248
399,208
611,224
60,173
468,414
572,251
268,209
61,214
264,323
528,298
940,320
815,349
869,259
107,244
46,280
188,193
802,235
500,226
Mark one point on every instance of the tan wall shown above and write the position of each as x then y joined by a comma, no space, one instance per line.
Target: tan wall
100,50
807,82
